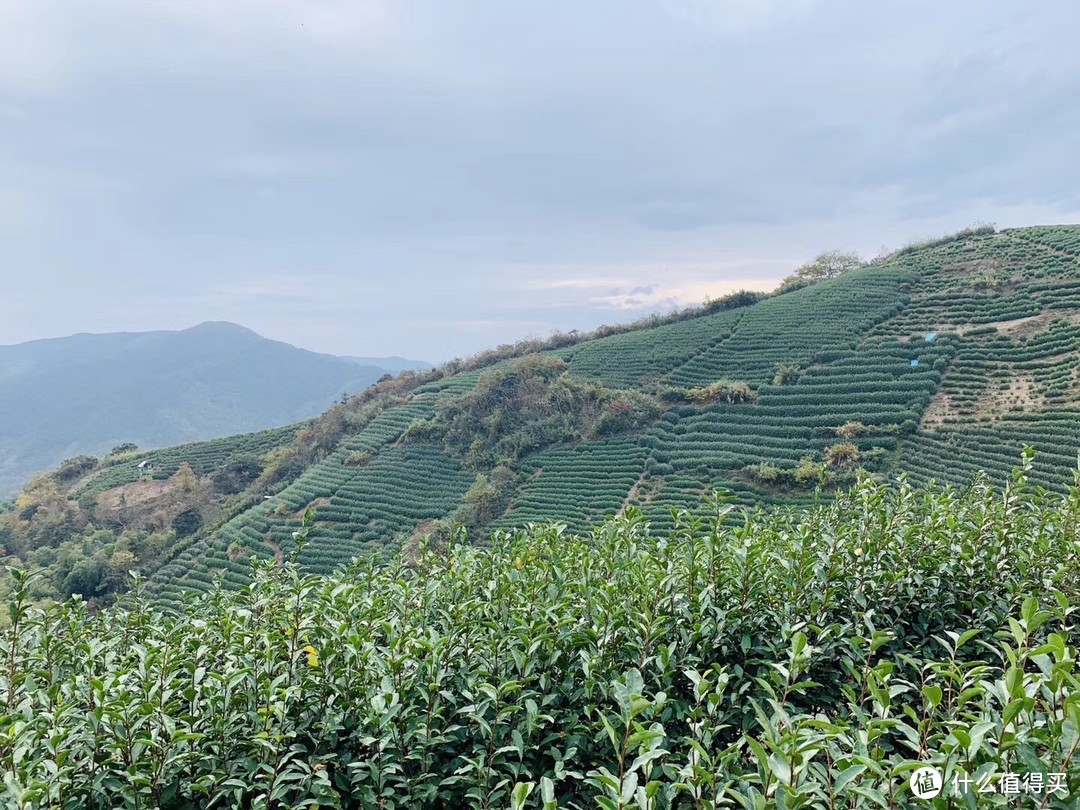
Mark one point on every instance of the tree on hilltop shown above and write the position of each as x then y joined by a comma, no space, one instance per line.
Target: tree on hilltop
829,264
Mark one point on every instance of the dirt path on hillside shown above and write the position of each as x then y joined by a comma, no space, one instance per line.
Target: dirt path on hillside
635,490
1032,323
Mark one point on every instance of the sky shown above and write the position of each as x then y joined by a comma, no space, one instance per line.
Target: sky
429,178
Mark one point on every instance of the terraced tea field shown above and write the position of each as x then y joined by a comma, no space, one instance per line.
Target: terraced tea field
358,511
791,329
203,457
941,361
1013,300
577,484
959,454
636,359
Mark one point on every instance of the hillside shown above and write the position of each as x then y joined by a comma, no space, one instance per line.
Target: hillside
86,394
941,361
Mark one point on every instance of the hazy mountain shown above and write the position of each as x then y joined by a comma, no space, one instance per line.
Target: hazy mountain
392,364
88,393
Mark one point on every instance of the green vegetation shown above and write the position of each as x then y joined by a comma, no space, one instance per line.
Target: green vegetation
733,392
205,458
643,357
1012,300
960,453
793,659
89,523
361,510
940,360
794,327
527,405
580,484
800,641
964,234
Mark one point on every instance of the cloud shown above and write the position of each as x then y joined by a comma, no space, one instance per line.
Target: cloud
426,178
290,288
330,19
583,283
734,16
49,45
479,324
659,296
649,288
34,47
13,112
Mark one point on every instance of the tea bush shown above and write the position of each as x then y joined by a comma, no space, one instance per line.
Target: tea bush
804,659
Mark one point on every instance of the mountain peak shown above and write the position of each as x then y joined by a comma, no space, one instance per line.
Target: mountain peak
221,327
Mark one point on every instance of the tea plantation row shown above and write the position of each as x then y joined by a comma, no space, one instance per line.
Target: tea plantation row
979,326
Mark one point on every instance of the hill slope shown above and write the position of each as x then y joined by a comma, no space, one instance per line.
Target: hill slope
941,361
88,393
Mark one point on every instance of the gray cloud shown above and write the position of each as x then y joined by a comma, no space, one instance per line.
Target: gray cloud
422,177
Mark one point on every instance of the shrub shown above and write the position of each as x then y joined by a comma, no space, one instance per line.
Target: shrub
486,498
625,411
282,465
237,475
787,660
843,455
527,405
735,300
786,374
731,392
809,471
72,468
671,394
85,578
185,477
765,472
852,430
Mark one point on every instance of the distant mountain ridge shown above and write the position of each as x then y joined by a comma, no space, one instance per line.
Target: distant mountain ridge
62,397
392,364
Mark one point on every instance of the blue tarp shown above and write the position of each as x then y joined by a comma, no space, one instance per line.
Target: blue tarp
914,363
930,337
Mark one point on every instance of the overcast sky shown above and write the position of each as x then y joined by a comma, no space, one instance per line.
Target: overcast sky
431,177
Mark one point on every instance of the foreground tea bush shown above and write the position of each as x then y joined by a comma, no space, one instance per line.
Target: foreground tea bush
794,660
